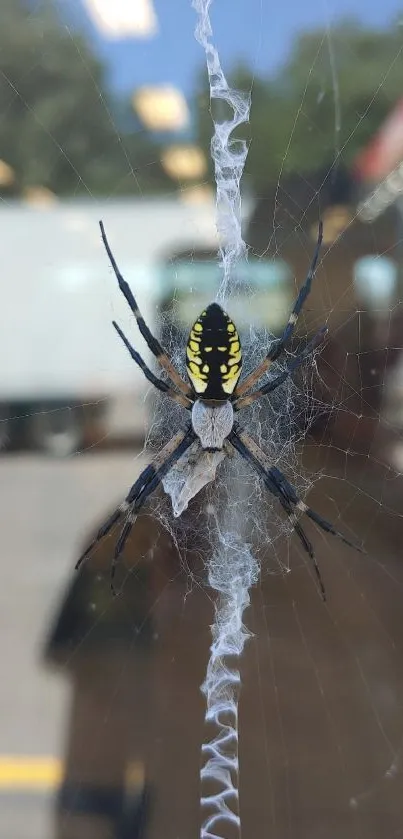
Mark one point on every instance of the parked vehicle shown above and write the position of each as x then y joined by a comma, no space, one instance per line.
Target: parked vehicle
64,370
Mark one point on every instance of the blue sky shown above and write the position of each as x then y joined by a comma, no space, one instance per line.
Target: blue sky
261,31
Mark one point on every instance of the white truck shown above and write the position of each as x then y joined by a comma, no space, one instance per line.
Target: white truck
63,368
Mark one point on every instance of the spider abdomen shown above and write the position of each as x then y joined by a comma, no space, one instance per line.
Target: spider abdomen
212,425
214,354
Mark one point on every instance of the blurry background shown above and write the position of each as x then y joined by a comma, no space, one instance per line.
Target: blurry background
105,114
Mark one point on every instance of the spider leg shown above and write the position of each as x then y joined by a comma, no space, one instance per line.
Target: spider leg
146,483
325,525
132,516
251,452
277,347
278,380
152,342
142,481
157,382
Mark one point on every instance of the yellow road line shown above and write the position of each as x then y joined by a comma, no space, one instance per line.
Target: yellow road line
29,772
36,773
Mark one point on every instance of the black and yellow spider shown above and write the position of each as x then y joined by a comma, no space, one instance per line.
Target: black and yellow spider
214,363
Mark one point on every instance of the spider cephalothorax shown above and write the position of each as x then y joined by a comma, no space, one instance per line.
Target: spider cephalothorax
212,423
213,363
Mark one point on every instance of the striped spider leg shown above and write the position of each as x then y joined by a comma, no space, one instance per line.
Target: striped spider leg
278,485
244,401
158,383
278,346
146,483
152,342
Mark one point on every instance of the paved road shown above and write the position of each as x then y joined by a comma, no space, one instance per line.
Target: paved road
323,686
46,511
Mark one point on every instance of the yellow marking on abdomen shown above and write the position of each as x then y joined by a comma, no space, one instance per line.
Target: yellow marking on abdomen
199,382
195,369
234,371
192,356
230,380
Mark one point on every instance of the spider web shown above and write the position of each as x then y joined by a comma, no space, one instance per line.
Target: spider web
320,711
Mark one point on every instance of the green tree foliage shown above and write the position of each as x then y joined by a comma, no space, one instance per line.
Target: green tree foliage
60,128
57,126
325,103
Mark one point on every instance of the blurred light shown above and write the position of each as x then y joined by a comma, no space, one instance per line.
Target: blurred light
39,196
385,151
199,194
135,776
123,18
375,281
383,196
7,175
161,108
335,221
184,162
